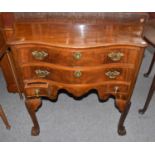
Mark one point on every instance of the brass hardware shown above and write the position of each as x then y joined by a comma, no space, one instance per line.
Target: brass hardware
142,20
115,56
36,92
77,74
112,74
116,89
39,55
42,73
77,55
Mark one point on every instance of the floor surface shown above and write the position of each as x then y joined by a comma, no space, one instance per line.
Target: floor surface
83,120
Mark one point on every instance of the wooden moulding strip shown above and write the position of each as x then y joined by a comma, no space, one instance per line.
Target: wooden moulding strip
43,64
14,74
77,85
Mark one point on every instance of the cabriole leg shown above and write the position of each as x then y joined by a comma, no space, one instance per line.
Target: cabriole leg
121,127
32,105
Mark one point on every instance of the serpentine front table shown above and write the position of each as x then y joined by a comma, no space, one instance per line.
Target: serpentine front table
77,52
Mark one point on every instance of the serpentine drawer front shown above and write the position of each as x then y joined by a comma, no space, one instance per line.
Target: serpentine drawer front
76,57
77,75
77,52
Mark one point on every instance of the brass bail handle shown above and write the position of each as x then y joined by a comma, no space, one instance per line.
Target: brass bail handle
115,56
112,74
39,55
42,73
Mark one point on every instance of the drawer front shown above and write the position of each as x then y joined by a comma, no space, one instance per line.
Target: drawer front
77,76
117,88
76,57
37,89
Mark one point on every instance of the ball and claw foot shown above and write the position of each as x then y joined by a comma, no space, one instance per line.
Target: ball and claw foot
122,131
146,75
35,131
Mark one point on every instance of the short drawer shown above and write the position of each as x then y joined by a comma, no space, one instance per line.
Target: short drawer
77,75
76,57
117,88
37,89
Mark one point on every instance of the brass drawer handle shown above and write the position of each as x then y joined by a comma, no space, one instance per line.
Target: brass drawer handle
37,92
77,55
112,74
77,74
115,56
116,89
42,73
39,55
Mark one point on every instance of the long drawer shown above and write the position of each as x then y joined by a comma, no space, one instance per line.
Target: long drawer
77,75
76,57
